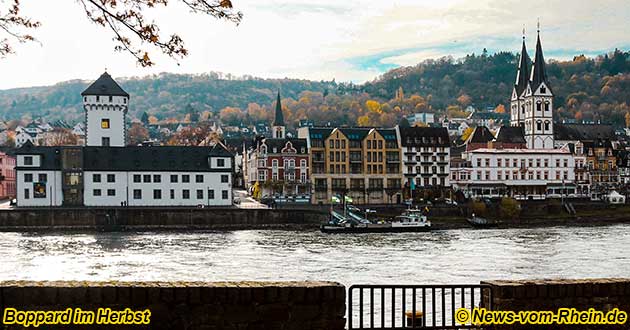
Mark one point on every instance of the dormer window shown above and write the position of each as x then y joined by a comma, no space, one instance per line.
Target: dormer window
543,90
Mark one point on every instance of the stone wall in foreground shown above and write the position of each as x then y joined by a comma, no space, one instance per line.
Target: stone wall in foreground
549,295
189,306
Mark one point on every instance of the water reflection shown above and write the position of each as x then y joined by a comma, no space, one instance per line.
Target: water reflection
453,256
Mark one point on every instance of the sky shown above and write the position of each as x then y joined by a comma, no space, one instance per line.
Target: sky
350,40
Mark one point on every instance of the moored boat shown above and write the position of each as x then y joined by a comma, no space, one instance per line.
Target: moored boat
479,222
409,221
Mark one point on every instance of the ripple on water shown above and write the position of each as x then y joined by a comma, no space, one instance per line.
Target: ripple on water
463,256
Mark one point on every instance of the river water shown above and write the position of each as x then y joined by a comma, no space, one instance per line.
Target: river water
452,256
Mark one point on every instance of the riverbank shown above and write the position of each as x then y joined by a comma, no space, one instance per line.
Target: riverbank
173,219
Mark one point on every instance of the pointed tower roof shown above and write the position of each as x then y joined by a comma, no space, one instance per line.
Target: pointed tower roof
522,75
539,71
279,118
105,85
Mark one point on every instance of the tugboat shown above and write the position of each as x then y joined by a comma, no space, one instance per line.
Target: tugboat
479,222
410,221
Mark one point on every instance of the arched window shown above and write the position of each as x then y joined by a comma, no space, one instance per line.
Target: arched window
538,106
547,106
538,125
547,124
543,90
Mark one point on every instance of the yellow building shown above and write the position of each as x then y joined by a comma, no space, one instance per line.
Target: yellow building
363,163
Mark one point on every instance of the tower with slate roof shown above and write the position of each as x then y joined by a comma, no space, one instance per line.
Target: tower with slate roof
278,129
532,100
105,104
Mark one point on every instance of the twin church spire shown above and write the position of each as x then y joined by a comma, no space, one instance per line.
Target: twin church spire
532,99
538,73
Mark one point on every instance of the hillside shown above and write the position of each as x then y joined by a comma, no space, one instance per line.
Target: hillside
591,89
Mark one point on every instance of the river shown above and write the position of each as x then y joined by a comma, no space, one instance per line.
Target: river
452,256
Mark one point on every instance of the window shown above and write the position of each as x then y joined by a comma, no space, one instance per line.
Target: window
28,177
157,178
96,192
105,123
185,178
136,178
137,194
186,194
111,98
199,194
220,162
111,178
26,194
111,192
43,177
105,141
173,178
199,178
146,178
96,178
157,194
224,194
224,178
28,160
543,90
210,193
98,98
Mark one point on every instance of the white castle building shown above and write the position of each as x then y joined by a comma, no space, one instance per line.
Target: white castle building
106,172
521,161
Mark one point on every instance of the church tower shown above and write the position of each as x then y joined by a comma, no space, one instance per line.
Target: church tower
517,106
539,104
278,129
105,104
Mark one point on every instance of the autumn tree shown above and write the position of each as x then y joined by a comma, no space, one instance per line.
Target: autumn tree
60,137
500,108
125,19
464,100
231,116
627,118
195,135
137,134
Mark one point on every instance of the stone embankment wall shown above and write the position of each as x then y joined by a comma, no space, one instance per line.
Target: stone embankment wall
550,295
189,306
156,218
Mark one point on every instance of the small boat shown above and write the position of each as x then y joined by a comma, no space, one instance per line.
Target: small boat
409,221
479,222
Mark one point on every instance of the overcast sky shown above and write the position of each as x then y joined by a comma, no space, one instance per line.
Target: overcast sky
316,39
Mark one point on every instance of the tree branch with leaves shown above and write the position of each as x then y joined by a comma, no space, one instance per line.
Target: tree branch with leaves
127,21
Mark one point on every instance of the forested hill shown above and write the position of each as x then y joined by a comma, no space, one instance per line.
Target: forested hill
164,95
590,89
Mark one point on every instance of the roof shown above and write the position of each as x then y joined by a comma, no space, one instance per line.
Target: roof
583,132
481,134
520,151
133,158
510,134
279,117
355,134
522,75
279,144
404,122
424,136
539,71
319,133
105,85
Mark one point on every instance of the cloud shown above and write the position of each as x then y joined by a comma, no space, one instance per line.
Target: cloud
318,39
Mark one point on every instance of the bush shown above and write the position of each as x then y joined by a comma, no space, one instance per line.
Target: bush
478,208
509,208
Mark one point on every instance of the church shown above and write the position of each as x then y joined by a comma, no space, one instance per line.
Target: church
106,172
522,161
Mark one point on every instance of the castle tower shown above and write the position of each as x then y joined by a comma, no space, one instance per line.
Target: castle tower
278,129
539,104
517,106
105,104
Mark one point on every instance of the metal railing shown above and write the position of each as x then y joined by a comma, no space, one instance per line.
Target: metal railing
413,306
